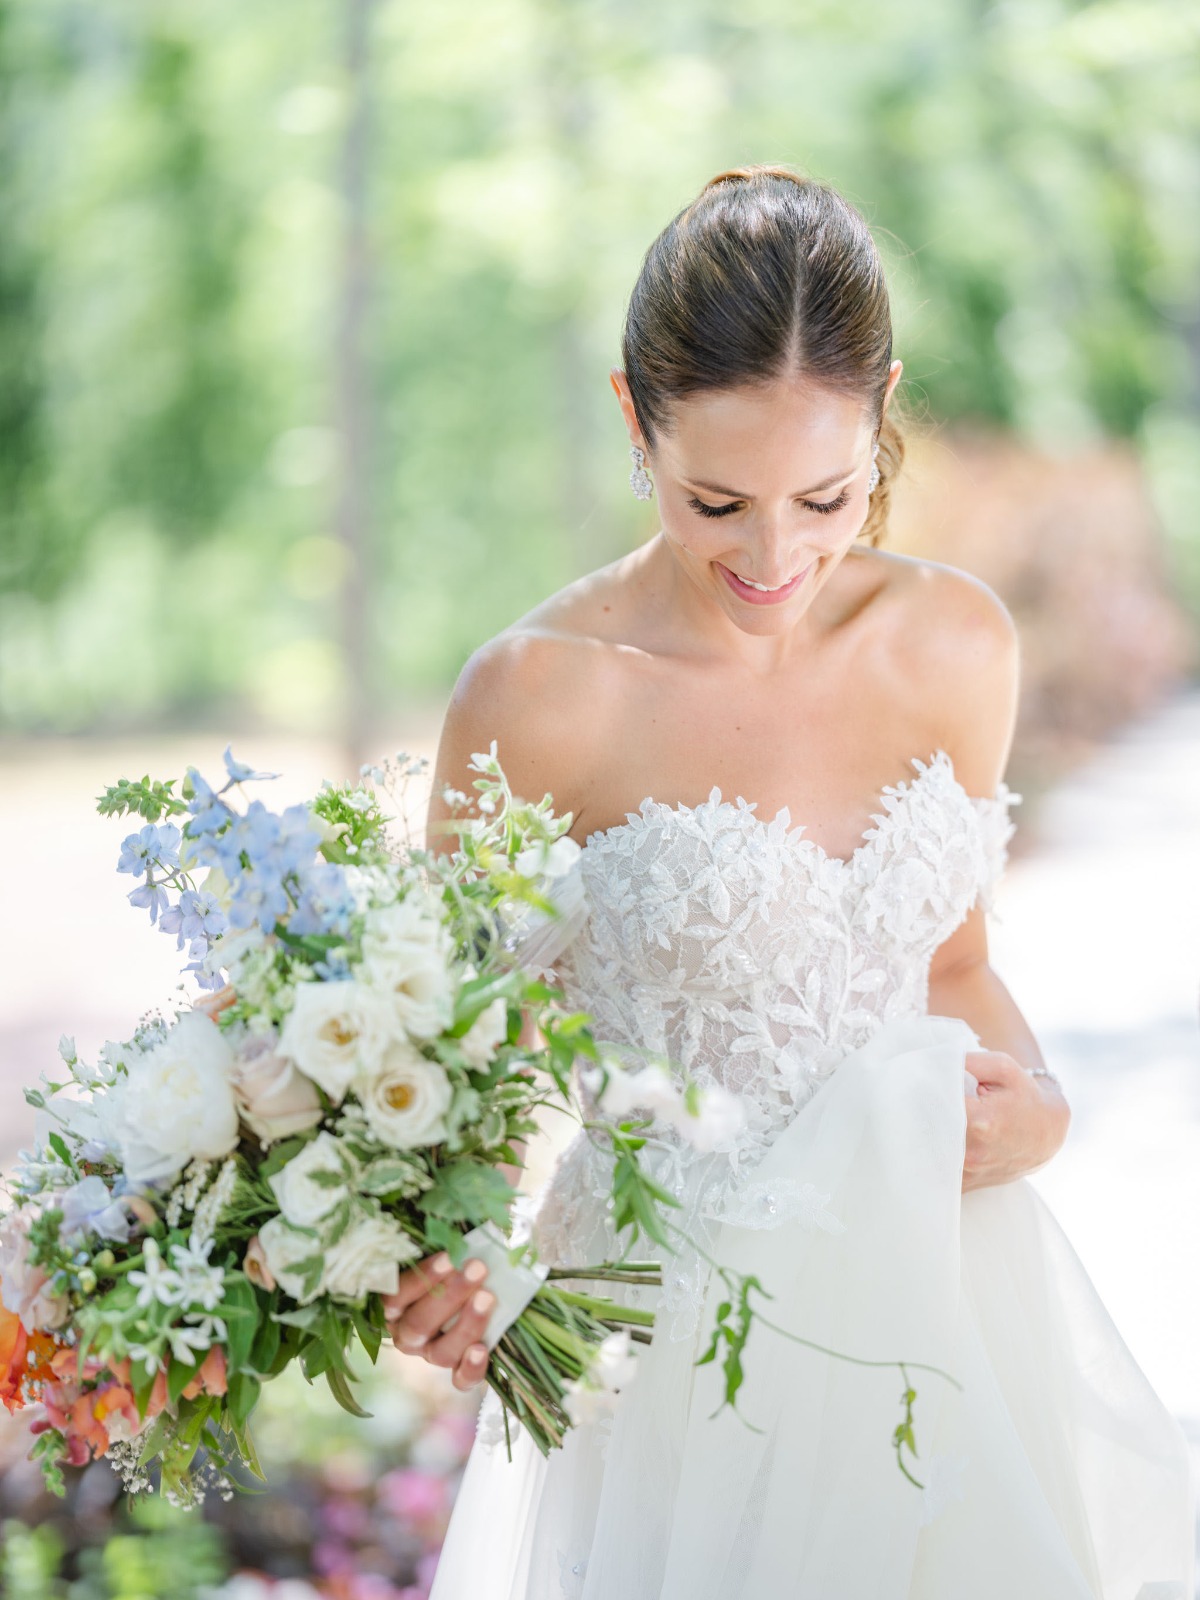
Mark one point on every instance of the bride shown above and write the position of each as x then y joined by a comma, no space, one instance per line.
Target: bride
783,748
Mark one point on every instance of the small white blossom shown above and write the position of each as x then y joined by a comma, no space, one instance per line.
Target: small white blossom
200,1282
155,1283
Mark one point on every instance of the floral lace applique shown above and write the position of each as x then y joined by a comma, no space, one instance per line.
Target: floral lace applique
737,948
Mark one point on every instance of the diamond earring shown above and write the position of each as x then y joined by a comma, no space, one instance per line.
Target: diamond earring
639,479
873,480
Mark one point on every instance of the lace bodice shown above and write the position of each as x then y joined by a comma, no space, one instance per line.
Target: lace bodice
743,952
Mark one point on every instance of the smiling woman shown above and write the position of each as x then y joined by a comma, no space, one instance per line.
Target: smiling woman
757,660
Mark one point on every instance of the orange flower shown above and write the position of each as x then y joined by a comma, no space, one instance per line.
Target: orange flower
14,1346
211,1378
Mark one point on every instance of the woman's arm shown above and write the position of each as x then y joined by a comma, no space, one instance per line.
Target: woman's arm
1018,1122
970,670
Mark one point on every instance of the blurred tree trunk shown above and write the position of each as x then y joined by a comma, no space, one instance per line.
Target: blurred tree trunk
569,118
353,407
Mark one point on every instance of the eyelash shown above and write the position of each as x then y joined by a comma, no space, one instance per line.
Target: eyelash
824,508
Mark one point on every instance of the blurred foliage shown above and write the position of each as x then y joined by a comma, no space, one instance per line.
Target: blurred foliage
171,229
353,1508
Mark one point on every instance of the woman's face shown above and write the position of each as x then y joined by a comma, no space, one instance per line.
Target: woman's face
761,492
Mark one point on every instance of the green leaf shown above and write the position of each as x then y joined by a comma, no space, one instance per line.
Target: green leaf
391,1175
179,1375
59,1145
343,1393
244,1390
368,1324
468,1191
441,1235
266,1345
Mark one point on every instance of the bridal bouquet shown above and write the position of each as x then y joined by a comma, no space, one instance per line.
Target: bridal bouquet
238,1187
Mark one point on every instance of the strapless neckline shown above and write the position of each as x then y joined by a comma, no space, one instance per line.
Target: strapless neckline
716,808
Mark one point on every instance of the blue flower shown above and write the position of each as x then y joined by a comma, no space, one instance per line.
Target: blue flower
155,843
239,772
209,811
325,903
88,1207
197,917
150,894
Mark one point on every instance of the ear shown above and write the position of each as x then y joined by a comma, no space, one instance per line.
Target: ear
894,372
621,389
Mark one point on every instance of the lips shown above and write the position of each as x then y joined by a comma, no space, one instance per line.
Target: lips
763,597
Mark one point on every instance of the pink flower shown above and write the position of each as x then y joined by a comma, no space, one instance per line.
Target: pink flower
254,1265
413,1495
212,1377
23,1285
274,1098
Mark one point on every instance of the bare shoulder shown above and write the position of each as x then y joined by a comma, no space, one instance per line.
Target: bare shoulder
545,690
954,648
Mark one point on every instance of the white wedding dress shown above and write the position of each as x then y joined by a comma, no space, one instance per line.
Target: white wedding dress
1049,1468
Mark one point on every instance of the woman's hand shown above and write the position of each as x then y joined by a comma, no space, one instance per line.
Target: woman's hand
429,1294
1015,1125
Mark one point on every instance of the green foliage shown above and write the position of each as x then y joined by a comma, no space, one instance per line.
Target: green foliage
168,294
468,1191
143,799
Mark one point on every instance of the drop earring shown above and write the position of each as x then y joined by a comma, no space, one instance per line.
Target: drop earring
639,479
873,480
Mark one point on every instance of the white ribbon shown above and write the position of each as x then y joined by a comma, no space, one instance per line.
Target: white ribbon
513,1285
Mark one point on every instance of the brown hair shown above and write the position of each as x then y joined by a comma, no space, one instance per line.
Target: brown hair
766,274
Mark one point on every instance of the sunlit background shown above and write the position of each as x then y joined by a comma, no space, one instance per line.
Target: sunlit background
307,312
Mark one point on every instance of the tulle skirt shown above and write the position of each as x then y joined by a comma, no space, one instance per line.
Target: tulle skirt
1048,1470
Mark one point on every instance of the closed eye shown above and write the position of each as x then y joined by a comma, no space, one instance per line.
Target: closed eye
822,507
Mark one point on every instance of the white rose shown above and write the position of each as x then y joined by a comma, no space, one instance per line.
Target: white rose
283,1249
275,1099
303,1200
174,1104
406,1098
488,1030
333,1031
367,1259
408,956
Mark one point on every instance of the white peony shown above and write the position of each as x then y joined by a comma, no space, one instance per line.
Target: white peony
408,956
333,1031
175,1103
303,1200
406,1098
283,1249
489,1029
367,1259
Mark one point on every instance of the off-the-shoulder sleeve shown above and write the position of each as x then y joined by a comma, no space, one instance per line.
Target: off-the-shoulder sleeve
542,938
996,828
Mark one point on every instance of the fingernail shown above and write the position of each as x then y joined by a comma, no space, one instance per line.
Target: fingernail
440,1264
477,1352
475,1271
483,1300
412,1341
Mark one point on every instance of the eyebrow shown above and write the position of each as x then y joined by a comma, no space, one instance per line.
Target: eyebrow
715,488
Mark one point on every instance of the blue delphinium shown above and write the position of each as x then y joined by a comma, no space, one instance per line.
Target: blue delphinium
197,917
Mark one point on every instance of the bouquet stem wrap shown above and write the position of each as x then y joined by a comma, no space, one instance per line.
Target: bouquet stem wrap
513,1285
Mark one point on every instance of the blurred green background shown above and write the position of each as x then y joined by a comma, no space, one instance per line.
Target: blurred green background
307,309
307,312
